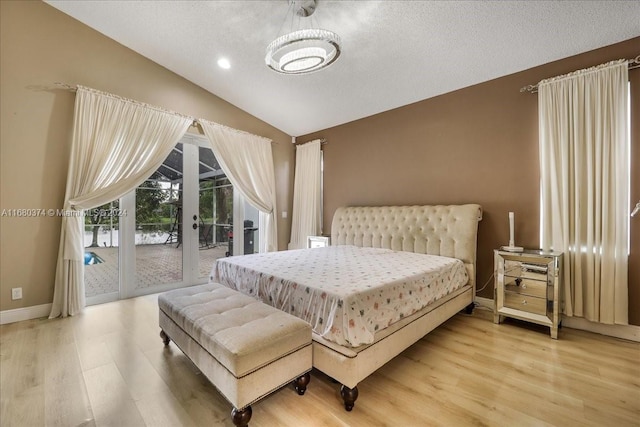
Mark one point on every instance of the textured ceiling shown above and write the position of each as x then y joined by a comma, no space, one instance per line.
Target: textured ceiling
394,52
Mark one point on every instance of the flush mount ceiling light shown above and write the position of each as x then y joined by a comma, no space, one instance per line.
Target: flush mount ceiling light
304,50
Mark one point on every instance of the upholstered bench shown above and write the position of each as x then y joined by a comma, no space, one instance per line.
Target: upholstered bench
246,348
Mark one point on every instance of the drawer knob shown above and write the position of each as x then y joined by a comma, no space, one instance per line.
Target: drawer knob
524,286
524,302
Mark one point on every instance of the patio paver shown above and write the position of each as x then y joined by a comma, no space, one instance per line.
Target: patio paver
155,264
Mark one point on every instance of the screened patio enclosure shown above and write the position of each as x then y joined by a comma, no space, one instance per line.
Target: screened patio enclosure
146,241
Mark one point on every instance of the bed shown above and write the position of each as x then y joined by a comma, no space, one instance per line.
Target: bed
391,275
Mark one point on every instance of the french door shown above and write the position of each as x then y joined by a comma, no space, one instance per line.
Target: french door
168,232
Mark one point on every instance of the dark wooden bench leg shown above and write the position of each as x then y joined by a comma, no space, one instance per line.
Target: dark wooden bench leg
165,337
241,417
349,395
301,383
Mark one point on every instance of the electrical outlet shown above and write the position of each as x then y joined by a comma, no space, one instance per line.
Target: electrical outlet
16,293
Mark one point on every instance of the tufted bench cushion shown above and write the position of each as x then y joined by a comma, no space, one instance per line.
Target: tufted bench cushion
241,332
246,348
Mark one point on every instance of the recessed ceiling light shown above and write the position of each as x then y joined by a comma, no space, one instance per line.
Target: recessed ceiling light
224,63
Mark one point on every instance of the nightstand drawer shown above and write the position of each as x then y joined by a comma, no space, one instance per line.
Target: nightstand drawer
534,288
525,303
526,270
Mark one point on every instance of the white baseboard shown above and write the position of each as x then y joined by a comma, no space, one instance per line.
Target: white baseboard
484,302
26,313
626,332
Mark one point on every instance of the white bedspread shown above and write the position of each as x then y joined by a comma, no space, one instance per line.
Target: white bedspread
346,293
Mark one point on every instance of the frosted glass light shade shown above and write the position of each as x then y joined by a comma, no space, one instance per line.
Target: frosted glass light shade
303,51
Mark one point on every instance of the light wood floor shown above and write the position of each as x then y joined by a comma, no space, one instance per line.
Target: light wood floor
108,367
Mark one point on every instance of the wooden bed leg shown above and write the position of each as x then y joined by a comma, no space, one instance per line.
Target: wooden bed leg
165,337
349,395
469,309
301,383
241,417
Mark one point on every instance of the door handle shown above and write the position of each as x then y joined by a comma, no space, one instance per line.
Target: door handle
636,209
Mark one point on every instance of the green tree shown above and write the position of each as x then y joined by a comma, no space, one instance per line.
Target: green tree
224,208
101,215
149,198
206,200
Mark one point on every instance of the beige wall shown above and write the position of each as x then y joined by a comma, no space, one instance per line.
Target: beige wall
478,144
40,46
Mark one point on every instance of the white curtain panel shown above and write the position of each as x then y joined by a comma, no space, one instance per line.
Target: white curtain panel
305,217
584,161
117,144
247,161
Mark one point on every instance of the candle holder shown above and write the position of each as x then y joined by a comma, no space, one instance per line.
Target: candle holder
512,246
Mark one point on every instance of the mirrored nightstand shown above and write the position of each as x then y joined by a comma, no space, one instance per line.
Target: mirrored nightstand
528,286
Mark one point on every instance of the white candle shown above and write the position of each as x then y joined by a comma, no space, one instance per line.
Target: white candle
511,237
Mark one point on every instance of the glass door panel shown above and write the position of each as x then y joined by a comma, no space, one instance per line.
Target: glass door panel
251,221
101,256
158,225
215,210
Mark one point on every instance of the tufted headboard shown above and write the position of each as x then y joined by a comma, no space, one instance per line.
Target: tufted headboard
450,230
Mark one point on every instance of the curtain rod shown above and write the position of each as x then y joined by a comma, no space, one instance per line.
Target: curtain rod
66,86
323,141
195,123
74,88
632,63
71,88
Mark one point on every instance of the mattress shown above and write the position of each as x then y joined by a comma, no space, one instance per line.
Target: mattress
346,293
